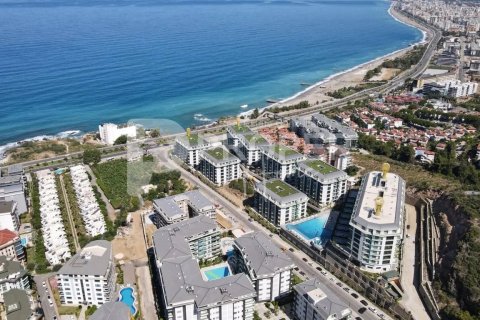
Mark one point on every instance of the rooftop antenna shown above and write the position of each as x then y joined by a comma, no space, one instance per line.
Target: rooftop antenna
385,169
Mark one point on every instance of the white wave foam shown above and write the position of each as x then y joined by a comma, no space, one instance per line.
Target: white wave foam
200,117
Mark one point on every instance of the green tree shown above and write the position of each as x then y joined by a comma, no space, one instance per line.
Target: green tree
92,156
155,133
121,140
255,114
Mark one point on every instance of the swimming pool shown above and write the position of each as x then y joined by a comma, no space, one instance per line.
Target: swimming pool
127,297
217,273
314,229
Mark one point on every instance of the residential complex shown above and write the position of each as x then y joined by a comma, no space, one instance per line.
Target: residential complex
176,208
234,133
452,88
89,209
53,230
220,166
269,268
280,162
11,245
8,215
12,276
89,276
18,305
110,132
279,202
321,182
311,303
249,147
377,221
187,148
185,293
345,136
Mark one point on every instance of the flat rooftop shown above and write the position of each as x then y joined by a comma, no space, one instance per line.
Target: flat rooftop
171,206
255,139
282,152
220,154
281,188
193,140
280,191
320,166
94,259
391,189
240,128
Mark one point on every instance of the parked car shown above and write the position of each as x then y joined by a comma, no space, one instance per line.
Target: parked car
372,309
291,249
354,295
339,284
44,284
365,303
304,259
362,310
346,289
319,269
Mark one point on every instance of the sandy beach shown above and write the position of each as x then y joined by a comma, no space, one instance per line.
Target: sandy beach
316,94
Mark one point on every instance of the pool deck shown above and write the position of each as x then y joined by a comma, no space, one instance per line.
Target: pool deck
299,235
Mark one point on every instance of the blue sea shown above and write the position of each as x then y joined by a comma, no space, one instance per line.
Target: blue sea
71,65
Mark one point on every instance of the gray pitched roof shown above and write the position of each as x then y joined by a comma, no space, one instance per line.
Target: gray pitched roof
112,311
6,206
264,257
17,304
171,239
8,268
322,303
94,259
180,272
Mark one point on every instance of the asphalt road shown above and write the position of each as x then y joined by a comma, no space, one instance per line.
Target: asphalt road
49,311
309,267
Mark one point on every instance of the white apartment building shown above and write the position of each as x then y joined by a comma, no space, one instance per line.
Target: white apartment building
321,182
220,166
269,268
452,87
89,276
180,207
12,276
12,188
279,202
109,132
310,302
188,148
8,215
89,209
377,221
280,162
234,133
53,230
249,147
185,293
11,245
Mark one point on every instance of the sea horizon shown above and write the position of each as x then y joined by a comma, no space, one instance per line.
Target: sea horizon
303,56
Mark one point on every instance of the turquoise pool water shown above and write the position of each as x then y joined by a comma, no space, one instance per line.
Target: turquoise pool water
314,229
126,296
217,273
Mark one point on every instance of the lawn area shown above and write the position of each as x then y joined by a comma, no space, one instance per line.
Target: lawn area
320,166
282,150
112,178
219,153
414,175
281,188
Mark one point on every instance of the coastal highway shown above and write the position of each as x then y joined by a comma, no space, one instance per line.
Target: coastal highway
301,260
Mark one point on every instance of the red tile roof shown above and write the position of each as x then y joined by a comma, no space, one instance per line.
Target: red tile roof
6,236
